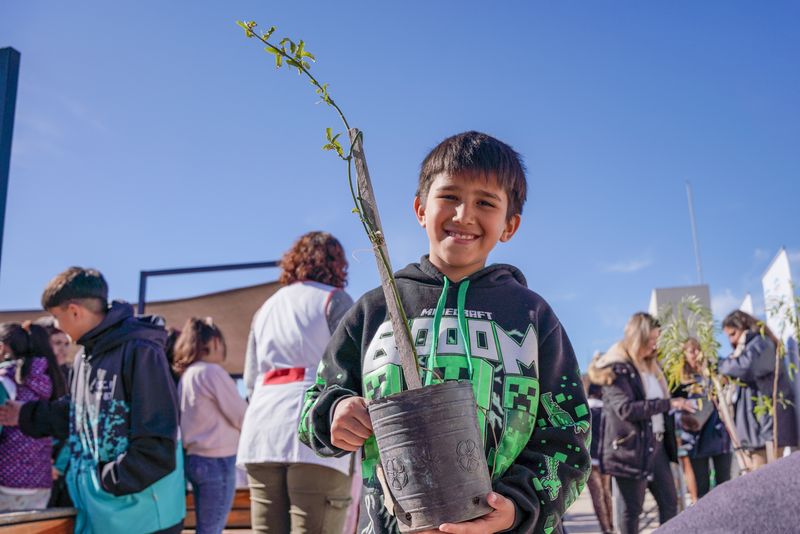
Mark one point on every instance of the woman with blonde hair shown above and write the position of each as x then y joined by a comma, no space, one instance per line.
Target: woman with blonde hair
637,444
291,488
211,418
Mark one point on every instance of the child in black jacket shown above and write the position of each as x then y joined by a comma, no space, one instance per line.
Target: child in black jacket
125,470
468,321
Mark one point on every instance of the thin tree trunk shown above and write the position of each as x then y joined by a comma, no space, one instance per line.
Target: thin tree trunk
402,336
778,351
725,414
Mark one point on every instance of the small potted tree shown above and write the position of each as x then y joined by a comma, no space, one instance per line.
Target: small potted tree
428,436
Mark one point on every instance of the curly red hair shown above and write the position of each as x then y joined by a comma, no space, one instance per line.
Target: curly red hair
316,256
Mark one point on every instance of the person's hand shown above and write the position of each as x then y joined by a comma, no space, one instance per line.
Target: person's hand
54,473
684,405
351,425
9,413
498,520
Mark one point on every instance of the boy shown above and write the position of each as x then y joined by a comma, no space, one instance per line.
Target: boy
532,412
125,470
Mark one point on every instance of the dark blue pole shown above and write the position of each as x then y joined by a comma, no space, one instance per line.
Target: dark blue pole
9,75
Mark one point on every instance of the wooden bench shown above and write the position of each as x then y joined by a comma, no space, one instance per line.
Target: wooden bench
50,521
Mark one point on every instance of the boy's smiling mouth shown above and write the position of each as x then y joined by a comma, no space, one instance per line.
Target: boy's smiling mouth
461,236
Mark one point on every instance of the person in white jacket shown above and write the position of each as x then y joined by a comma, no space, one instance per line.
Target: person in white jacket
291,488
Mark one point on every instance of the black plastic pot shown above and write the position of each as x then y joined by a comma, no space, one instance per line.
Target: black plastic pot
432,455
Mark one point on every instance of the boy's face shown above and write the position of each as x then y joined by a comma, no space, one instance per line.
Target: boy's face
464,216
74,320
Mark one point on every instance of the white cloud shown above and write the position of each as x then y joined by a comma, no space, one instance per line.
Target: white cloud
627,266
794,256
724,303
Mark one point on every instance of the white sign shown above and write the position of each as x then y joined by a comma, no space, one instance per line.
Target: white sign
779,302
747,305
779,295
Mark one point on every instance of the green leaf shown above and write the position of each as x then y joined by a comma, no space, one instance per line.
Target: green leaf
328,134
248,27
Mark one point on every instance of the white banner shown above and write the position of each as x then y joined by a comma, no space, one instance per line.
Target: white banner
747,304
779,305
779,295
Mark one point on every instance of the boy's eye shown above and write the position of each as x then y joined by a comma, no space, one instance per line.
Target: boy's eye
448,197
486,203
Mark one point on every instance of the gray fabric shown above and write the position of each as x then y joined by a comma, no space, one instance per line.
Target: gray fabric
762,501
338,305
250,364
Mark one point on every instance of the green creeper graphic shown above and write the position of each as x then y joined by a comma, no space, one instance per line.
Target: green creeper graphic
551,482
520,402
305,430
382,382
550,524
559,417
521,393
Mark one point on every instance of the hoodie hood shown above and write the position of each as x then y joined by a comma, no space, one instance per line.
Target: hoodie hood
120,325
601,370
497,274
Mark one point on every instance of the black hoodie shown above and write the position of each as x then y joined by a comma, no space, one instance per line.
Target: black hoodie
522,367
124,417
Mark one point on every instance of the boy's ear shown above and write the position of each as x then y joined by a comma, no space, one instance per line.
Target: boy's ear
512,225
419,211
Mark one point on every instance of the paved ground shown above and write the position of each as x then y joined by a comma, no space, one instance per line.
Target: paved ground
580,518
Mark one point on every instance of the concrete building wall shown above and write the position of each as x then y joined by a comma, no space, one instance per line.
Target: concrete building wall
231,310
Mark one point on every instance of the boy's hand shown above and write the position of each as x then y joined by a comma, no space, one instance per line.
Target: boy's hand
351,425
9,413
498,520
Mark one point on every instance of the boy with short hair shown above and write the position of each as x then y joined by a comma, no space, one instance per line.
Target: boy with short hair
125,470
532,408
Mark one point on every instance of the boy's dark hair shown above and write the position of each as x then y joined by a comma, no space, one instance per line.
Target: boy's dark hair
80,285
476,152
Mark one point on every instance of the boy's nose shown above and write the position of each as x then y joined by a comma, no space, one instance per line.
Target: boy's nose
463,213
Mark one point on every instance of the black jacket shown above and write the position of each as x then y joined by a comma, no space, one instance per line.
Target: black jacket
627,441
526,375
124,404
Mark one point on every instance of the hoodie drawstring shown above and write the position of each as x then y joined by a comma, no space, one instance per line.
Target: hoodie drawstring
462,324
437,321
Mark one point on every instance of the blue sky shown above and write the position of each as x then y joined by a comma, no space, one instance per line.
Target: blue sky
153,135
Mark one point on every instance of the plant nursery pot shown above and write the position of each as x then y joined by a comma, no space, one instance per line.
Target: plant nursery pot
432,455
